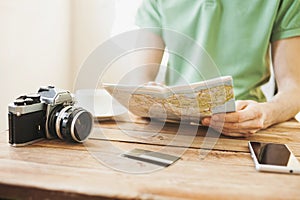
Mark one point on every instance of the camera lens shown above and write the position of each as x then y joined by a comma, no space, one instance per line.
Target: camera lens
70,123
74,124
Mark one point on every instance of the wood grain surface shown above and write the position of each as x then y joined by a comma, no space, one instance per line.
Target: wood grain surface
53,169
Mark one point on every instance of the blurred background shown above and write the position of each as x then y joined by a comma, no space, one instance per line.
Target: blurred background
45,42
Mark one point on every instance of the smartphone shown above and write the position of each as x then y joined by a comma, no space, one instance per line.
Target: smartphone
273,157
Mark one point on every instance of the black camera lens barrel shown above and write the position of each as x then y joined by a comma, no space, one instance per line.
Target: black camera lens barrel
73,124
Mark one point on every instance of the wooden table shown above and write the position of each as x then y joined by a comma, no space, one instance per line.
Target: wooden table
54,169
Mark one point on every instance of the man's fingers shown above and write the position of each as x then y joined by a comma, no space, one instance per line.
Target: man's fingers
243,123
239,116
246,132
244,112
235,134
250,124
238,133
221,129
234,129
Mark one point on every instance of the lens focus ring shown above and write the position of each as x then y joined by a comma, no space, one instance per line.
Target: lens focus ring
58,121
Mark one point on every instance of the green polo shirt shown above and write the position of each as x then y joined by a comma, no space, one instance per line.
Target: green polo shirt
235,35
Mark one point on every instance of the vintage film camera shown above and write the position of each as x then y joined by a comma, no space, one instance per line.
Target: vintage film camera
50,113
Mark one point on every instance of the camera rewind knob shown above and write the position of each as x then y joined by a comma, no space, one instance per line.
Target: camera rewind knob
35,97
28,101
24,102
19,102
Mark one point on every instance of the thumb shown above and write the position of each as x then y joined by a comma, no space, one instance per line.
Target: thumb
242,104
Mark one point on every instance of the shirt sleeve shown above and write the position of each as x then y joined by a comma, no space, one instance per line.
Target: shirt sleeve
149,16
287,22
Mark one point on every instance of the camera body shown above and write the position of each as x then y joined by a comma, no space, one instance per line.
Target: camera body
49,113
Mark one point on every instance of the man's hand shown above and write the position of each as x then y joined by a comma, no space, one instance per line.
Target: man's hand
247,120
252,116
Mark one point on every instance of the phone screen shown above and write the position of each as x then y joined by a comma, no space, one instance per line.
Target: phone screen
271,154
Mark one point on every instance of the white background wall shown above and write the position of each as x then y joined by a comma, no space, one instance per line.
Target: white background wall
34,35
92,22
45,42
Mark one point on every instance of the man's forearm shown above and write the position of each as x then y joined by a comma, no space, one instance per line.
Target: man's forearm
143,64
286,62
284,106
139,65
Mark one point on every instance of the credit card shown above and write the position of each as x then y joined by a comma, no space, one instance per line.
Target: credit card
153,157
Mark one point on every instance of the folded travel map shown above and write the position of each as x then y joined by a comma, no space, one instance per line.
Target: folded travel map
175,103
